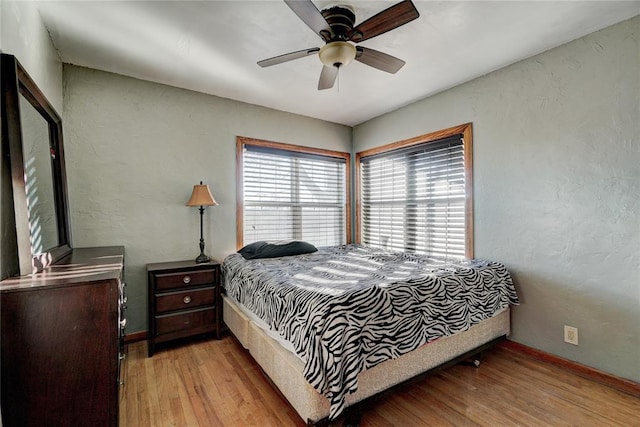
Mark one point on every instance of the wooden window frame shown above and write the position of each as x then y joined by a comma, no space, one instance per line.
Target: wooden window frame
242,141
466,130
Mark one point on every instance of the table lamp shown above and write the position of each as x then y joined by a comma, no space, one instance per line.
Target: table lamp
201,196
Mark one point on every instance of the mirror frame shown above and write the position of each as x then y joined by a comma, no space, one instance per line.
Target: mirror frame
16,82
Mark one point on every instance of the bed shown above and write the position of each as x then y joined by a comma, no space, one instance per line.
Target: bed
333,327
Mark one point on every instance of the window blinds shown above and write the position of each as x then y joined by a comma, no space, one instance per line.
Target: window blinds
413,199
293,196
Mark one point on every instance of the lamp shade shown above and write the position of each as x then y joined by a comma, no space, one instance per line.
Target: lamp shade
201,196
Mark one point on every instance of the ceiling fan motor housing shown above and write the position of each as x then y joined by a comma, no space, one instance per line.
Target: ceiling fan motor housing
341,20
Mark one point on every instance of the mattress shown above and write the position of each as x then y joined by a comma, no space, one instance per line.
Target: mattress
347,309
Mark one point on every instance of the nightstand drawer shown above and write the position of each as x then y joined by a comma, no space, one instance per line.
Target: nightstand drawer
184,278
182,300
167,324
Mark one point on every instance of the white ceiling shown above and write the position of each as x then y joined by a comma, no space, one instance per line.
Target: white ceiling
213,46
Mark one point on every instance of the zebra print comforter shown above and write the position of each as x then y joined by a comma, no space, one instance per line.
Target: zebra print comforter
347,308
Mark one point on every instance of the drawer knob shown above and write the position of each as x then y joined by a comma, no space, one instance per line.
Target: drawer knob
187,299
186,279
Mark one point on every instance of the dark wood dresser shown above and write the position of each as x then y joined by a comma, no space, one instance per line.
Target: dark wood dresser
184,300
62,341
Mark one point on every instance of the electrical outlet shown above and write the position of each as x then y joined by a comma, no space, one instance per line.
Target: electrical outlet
571,335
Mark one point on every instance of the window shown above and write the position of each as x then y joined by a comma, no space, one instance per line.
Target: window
416,195
288,192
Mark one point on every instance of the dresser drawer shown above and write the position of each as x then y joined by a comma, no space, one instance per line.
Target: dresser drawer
182,300
184,278
166,324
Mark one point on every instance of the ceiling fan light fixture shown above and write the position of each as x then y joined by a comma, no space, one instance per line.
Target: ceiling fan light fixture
337,54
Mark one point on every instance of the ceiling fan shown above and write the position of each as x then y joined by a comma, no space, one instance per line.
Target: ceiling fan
335,26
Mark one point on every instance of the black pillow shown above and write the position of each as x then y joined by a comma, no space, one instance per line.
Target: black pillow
263,249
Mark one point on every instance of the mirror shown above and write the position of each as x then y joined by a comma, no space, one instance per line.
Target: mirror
36,233
38,176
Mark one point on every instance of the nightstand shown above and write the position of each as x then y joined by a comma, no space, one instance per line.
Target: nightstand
184,300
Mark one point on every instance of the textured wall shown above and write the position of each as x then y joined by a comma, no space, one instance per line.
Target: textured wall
134,151
556,188
23,35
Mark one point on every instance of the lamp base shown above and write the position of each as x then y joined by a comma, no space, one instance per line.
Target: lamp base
202,258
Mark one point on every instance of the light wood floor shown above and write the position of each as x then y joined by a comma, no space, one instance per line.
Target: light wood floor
216,383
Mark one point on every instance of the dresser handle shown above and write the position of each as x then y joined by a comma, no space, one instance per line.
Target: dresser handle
187,299
186,279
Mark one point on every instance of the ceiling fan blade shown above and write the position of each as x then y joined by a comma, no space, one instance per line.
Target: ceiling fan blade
379,60
327,77
390,18
288,57
310,15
